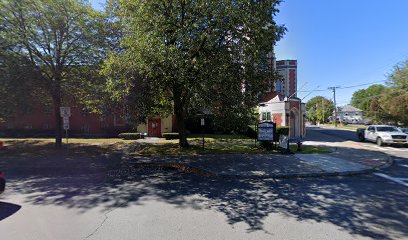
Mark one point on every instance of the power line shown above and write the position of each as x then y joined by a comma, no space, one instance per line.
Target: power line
340,87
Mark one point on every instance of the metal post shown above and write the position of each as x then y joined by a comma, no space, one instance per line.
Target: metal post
322,111
66,135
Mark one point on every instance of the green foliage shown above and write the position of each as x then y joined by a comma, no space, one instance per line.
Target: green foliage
384,104
195,55
130,136
54,38
169,136
318,109
394,101
361,99
282,130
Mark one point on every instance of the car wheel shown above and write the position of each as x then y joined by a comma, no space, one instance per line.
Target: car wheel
379,142
2,185
361,137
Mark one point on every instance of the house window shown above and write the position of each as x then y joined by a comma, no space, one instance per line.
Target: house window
266,116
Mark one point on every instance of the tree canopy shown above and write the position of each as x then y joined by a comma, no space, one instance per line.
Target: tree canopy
189,56
54,40
319,109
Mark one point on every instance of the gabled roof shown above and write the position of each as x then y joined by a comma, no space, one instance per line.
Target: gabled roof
348,108
273,97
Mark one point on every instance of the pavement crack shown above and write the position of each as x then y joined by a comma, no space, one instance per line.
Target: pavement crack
102,223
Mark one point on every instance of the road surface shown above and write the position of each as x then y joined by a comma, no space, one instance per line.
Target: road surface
124,203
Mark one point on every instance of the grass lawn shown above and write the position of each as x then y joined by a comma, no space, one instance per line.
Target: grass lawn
214,144
45,146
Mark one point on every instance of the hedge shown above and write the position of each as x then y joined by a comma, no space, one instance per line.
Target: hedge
169,136
282,130
130,136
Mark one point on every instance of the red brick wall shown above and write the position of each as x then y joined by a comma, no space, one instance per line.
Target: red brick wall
81,122
292,81
277,118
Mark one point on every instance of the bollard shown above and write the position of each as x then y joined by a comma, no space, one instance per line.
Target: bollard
299,146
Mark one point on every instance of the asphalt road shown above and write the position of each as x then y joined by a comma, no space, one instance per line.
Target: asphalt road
119,202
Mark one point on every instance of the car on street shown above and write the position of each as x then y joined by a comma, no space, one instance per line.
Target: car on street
382,134
405,130
2,182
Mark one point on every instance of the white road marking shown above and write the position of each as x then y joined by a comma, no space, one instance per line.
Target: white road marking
389,148
404,165
394,179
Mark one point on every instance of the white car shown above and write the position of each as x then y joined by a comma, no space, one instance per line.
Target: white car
385,134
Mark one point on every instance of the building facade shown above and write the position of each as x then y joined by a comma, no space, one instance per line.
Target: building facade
282,105
287,69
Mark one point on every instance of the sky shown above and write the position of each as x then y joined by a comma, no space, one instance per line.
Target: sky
340,43
343,43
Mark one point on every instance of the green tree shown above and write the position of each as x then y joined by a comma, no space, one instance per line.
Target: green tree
319,109
361,99
394,101
55,38
188,56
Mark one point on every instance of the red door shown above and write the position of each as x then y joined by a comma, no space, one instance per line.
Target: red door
154,127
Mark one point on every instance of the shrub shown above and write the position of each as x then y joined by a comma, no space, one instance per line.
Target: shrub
130,136
251,133
282,130
169,136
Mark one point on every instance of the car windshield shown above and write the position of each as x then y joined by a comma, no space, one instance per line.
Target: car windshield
387,129
405,130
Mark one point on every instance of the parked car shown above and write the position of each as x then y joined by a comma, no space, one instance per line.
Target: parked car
405,130
2,182
382,134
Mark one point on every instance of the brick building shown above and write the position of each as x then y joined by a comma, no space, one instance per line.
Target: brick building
39,121
282,105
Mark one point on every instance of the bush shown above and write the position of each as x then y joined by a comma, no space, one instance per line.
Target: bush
251,133
169,136
282,130
130,136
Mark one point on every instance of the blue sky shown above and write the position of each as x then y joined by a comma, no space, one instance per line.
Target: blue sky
341,42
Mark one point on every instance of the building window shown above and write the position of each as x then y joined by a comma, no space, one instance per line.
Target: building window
10,125
85,128
47,110
46,126
266,116
28,126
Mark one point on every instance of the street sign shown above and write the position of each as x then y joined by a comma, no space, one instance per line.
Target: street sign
65,111
65,123
266,131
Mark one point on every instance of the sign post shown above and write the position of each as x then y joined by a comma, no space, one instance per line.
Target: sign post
65,113
266,131
202,126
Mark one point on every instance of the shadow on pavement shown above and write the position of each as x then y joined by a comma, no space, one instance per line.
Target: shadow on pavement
7,209
362,205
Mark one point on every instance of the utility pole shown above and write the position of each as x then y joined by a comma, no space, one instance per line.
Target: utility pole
335,107
323,110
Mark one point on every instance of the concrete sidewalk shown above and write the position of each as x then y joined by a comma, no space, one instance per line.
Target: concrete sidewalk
342,161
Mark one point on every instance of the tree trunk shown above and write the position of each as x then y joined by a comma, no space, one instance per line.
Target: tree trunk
179,110
56,98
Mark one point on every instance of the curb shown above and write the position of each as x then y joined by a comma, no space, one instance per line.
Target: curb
187,168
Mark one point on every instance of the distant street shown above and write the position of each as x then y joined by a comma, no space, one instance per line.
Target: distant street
99,200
